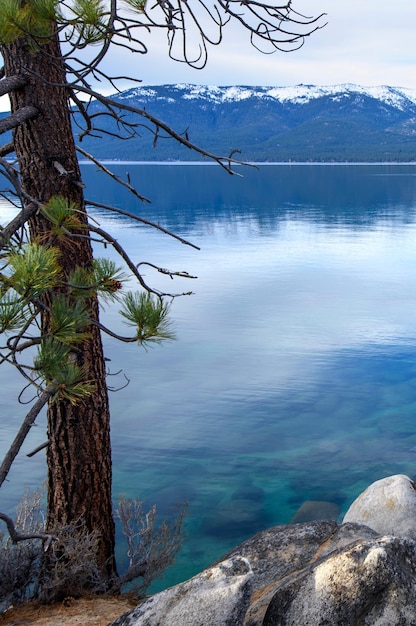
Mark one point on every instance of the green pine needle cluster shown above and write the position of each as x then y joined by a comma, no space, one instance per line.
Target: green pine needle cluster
35,269
136,5
90,21
33,17
33,280
108,278
62,215
69,319
81,283
105,279
72,385
12,312
149,316
87,20
56,363
51,354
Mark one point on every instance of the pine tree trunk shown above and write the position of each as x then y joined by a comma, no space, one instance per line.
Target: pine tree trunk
79,451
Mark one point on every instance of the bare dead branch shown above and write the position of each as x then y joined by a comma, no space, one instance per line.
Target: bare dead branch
108,207
38,449
23,431
29,205
133,268
226,162
119,180
18,222
15,536
112,106
150,547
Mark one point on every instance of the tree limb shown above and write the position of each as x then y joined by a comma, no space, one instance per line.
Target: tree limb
133,268
102,167
11,83
23,431
8,148
38,449
29,207
108,207
15,536
17,119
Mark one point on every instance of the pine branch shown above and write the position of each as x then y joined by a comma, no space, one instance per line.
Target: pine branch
102,167
23,432
133,268
142,220
17,119
8,148
11,83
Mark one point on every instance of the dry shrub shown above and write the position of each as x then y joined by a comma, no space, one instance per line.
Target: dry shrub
66,566
69,566
20,563
151,548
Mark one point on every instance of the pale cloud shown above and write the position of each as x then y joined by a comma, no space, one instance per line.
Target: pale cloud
364,42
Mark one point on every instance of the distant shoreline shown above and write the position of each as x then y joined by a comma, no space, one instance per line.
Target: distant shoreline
255,163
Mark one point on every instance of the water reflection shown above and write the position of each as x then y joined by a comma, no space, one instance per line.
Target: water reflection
356,196
294,376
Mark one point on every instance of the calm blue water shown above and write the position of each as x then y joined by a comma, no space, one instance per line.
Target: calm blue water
293,376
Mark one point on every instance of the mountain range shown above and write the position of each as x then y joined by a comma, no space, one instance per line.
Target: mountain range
302,123
338,123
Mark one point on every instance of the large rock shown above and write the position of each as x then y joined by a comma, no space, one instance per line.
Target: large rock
371,583
218,596
388,506
277,553
237,590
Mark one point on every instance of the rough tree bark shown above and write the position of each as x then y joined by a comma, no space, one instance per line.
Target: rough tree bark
79,451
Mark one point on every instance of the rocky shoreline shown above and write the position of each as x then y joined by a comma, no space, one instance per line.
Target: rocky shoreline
361,571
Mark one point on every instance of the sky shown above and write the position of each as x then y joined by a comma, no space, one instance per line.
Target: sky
366,42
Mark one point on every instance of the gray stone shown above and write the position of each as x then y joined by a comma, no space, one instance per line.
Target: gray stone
218,596
388,506
371,583
278,552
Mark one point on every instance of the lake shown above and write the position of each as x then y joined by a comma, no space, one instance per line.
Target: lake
293,376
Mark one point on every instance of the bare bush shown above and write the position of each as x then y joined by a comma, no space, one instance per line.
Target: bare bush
151,548
69,567
20,562
33,569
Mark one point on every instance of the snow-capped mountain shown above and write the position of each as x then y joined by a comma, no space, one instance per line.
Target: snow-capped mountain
299,94
301,123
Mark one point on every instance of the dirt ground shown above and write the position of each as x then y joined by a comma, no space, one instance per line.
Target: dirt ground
85,612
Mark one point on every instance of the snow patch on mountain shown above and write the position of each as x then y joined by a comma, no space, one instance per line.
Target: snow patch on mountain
397,97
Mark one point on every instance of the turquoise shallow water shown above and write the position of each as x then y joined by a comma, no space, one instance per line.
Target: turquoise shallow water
293,376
